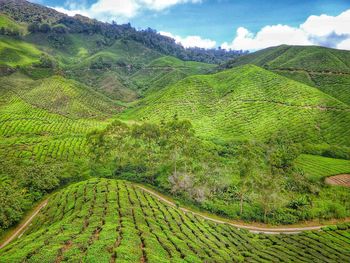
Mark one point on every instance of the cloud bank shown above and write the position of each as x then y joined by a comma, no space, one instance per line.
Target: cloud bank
324,30
191,41
120,10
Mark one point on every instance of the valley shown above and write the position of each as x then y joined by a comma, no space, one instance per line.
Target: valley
120,145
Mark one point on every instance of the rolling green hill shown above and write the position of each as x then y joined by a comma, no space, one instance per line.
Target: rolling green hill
15,52
8,23
115,221
325,68
165,71
249,103
59,95
317,167
48,118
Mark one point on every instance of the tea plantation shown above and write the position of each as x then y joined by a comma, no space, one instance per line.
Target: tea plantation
103,220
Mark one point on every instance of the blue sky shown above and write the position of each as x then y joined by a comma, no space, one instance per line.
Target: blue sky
213,23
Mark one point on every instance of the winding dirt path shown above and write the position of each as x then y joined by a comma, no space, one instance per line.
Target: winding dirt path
23,226
254,229
251,228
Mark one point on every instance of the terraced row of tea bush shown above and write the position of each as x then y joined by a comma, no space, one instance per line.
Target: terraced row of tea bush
310,58
15,52
30,128
130,68
249,102
104,220
317,167
326,69
165,71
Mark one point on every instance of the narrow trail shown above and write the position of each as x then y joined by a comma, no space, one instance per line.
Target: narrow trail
22,227
254,229
251,228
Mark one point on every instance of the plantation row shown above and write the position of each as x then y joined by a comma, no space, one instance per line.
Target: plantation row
34,133
229,119
317,167
243,102
104,220
67,98
334,85
44,149
18,117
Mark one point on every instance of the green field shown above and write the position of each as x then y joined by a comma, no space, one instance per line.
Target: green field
114,221
8,23
15,52
48,118
317,167
89,109
326,69
249,102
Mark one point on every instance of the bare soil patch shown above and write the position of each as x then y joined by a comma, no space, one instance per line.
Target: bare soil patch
340,179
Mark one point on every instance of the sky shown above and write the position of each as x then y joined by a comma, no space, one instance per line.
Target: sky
230,24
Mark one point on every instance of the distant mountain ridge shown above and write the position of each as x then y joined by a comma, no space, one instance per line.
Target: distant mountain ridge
249,102
24,11
325,68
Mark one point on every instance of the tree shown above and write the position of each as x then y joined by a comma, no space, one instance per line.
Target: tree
33,27
149,134
249,162
59,29
178,135
268,192
45,28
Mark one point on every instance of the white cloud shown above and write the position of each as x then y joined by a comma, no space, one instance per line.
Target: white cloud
71,12
163,4
345,44
324,25
191,41
120,10
332,31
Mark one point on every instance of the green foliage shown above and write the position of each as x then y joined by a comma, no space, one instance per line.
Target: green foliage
324,68
249,103
316,168
15,52
167,155
112,220
10,27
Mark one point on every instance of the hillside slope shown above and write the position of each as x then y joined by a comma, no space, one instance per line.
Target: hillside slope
48,118
325,68
104,220
166,71
9,24
15,52
249,102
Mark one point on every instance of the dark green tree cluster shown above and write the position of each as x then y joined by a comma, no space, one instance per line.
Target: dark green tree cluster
23,183
45,20
9,32
167,155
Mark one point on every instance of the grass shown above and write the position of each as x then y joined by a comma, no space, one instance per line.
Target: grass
8,23
48,119
15,52
249,103
311,58
324,68
165,71
104,220
316,168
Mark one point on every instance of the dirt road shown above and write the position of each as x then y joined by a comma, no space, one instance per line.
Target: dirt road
251,228
22,227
